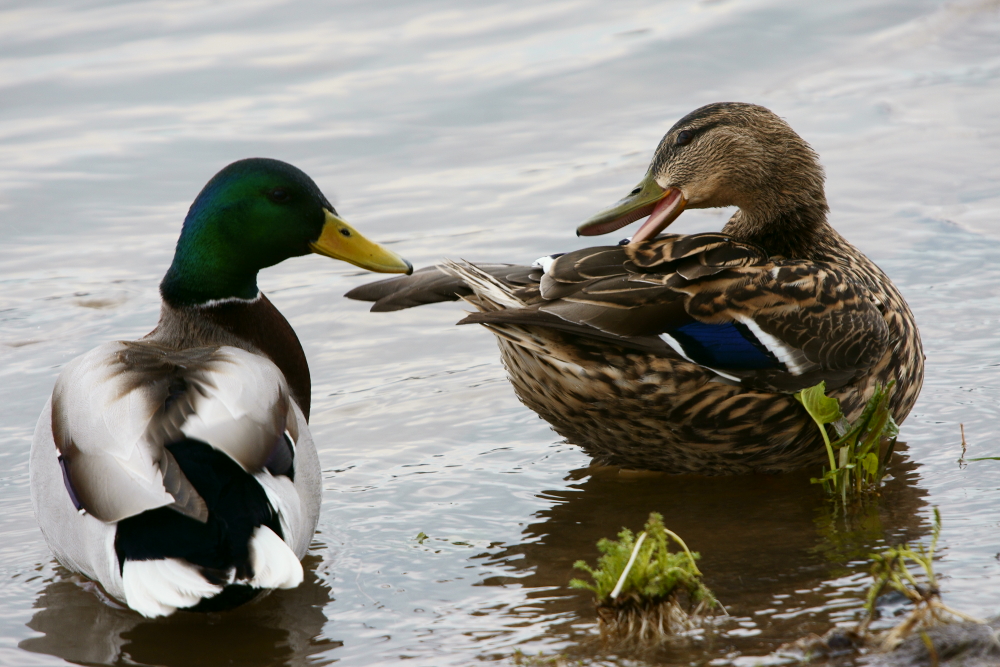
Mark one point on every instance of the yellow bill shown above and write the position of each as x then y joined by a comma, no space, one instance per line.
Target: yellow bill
341,241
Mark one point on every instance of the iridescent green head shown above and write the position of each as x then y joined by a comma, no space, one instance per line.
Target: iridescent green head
254,214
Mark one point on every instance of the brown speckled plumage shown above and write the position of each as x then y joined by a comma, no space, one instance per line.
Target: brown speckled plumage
582,340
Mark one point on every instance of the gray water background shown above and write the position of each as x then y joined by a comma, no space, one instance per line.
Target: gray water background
487,131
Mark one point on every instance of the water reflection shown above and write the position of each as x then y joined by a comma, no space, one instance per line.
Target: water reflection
282,629
774,550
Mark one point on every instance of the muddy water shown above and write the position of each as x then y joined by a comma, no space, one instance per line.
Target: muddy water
487,132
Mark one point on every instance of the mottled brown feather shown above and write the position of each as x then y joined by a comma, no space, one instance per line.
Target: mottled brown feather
777,264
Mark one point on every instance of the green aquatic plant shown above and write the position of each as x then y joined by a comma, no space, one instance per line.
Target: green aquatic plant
856,459
644,591
893,570
908,571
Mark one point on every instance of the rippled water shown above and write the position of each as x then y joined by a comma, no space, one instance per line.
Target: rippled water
487,131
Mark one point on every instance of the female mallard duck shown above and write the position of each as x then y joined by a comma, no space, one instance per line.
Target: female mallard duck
682,353
178,470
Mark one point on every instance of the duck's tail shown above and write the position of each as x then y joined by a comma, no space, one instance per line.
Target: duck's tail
449,281
488,293
161,586
171,561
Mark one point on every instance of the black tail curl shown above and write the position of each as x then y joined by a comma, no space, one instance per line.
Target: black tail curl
237,505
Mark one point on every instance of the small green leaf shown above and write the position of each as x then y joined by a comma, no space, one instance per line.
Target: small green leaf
829,476
421,536
985,458
870,462
822,408
891,429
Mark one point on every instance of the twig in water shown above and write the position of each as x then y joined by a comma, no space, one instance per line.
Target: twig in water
961,459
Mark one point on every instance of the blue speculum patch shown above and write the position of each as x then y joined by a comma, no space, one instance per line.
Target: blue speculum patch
730,345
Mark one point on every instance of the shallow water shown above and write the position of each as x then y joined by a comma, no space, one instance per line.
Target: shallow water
487,133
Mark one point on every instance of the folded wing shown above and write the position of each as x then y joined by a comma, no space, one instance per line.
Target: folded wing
767,323
116,408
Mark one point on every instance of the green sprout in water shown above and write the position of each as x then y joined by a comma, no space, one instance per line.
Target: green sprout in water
644,591
856,463
891,571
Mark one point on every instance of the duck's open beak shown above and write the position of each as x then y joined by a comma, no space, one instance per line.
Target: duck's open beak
341,241
648,198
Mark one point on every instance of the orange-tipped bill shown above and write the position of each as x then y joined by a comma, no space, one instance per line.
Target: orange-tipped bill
665,212
662,207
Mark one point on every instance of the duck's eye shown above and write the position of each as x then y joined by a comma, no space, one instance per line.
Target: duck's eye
684,137
278,195
345,231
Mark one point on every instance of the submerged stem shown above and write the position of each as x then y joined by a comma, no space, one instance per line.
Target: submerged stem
829,446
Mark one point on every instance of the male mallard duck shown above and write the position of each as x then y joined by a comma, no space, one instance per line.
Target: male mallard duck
682,353
178,470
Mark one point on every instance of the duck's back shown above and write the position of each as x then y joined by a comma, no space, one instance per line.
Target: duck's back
170,474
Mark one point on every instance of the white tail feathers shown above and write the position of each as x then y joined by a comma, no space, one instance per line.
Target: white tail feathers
485,286
274,563
161,587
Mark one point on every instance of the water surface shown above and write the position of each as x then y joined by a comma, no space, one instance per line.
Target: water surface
487,132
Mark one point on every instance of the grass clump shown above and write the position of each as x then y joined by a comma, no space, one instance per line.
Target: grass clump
908,571
892,570
856,461
644,591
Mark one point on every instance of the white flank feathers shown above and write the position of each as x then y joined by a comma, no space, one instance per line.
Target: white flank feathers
274,564
161,587
482,283
794,360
